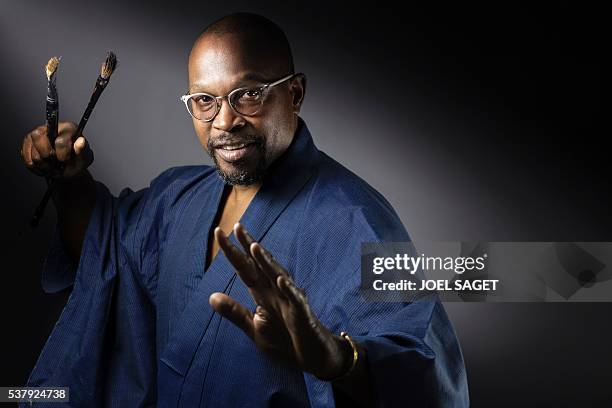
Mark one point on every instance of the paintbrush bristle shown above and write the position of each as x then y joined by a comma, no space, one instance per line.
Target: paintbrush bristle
109,65
51,67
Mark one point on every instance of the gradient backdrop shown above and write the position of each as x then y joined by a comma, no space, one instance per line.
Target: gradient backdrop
485,126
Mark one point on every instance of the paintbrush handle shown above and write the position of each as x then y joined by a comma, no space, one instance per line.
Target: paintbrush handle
52,112
40,210
98,89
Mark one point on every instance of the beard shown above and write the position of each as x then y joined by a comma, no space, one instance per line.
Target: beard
246,171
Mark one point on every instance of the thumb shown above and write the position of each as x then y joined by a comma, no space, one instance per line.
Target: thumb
83,155
79,145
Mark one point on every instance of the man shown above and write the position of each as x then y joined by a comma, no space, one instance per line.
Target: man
147,275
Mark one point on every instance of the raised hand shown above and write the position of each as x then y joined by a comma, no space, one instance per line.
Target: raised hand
283,325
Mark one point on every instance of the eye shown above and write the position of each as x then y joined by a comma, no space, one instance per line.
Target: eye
203,100
252,94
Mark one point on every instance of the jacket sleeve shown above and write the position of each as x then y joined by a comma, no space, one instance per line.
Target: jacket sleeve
412,353
103,344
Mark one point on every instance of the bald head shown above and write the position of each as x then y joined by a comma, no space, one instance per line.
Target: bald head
257,39
240,53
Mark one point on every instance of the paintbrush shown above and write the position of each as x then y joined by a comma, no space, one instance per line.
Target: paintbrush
52,114
52,107
107,69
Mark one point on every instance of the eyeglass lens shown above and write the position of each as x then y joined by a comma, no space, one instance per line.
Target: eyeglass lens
245,101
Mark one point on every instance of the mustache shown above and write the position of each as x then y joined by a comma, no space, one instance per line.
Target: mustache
232,139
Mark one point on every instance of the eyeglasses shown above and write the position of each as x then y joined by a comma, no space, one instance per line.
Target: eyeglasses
246,101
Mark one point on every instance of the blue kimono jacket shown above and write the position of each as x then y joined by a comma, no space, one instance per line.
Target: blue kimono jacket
138,330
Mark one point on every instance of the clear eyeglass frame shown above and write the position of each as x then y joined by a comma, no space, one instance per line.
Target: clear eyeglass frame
263,88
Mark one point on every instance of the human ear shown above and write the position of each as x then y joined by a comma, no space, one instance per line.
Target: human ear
297,88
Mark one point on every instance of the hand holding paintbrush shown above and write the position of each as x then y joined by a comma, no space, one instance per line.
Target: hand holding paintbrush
41,151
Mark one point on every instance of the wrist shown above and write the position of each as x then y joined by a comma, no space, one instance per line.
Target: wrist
74,196
344,361
77,185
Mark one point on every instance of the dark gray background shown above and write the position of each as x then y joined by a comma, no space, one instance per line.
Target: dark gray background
487,127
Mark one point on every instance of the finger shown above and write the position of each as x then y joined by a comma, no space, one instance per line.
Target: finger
79,145
66,128
26,153
233,311
41,142
84,154
26,150
246,240
63,148
40,166
36,159
296,297
245,268
243,237
41,152
266,262
82,157
63,142
269,325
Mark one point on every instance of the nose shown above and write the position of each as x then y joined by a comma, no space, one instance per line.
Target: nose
227,119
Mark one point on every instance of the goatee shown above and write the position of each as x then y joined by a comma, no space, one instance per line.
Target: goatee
244,172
